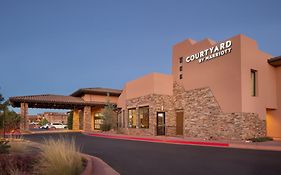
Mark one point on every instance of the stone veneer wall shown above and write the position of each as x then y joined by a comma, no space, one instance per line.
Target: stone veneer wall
155,103
203,117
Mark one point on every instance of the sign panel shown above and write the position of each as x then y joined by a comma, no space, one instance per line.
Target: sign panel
211,53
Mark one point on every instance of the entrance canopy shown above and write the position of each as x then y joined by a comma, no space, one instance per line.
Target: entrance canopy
52,101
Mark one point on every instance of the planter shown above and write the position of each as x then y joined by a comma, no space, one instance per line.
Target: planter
96,166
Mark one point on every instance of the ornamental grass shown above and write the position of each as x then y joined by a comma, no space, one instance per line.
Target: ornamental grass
61,157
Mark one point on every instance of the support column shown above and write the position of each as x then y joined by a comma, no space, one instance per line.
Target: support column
87,119
75,124
24,125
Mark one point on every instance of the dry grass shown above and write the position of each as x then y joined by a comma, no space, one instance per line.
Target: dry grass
60,157
19,146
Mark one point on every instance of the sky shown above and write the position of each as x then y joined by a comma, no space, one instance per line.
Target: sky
59,46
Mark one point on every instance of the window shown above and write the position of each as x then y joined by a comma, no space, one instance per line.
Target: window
180,76
123,118
132,118
97,120
144,117
181,59
254,82
119,122
180,68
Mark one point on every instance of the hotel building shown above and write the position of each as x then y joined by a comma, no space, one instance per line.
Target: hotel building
217,90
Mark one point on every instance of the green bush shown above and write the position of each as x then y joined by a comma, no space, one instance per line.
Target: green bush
261,139
105,126
108,116
44,121
4,147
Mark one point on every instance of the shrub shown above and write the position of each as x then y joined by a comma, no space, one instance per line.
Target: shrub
11,164
105,127
44,121
108,116
261,139
60,157
18,146
4,147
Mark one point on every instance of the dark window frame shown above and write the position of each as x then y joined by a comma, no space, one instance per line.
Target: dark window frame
130,124
139,115
254,86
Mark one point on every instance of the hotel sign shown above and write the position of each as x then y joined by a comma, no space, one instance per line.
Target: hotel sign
211,53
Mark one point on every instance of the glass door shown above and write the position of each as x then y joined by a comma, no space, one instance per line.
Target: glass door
160,123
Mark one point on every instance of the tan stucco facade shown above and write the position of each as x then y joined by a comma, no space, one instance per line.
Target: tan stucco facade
274,115
227,78
217,90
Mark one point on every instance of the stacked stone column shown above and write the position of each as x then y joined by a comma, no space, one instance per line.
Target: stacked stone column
75,124
87,119
24,125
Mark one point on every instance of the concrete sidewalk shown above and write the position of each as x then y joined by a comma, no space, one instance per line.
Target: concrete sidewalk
269,145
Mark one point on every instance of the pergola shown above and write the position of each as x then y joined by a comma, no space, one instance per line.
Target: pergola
49,101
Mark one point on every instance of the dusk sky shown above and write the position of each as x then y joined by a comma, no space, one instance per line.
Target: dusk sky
59,46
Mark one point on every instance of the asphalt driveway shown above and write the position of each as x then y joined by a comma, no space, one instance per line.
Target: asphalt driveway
144,158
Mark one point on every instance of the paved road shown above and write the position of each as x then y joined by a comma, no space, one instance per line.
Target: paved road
143,158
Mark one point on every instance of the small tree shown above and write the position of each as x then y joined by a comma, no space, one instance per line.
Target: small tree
44,121
108,116
12,119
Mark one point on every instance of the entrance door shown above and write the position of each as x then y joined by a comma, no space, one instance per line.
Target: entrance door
160,123
179,123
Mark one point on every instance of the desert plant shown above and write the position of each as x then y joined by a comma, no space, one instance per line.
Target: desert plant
4,146
19,146
60,157
11,164
44,121
108,116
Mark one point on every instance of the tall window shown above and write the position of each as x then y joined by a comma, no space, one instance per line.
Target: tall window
123,118
132,118
144,117
254,82
119,122
97,120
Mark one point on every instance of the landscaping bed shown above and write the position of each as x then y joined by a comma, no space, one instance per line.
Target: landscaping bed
18,156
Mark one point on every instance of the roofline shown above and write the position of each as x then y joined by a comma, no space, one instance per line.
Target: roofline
275,61
53,104
97,91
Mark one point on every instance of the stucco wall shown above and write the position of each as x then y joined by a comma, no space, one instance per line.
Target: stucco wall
154,83
274,116
222,75
253,58
99,98
228,76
